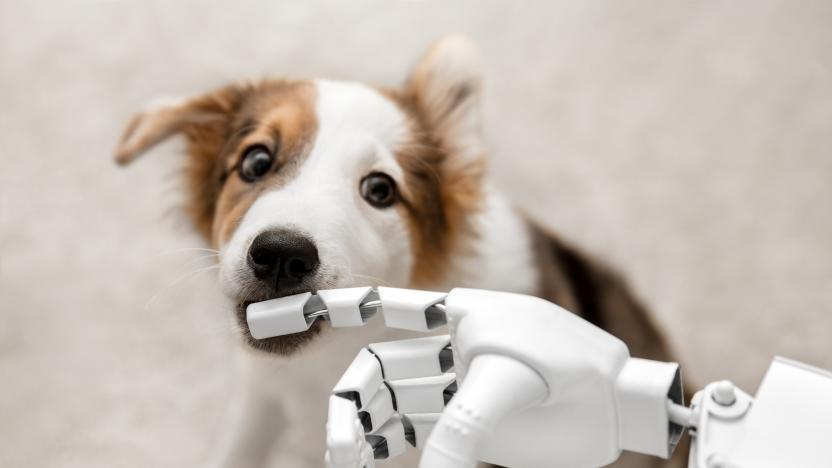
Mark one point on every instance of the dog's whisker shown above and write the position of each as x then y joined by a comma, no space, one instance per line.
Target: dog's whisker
171,252
373,279
148,305
197,260
189,249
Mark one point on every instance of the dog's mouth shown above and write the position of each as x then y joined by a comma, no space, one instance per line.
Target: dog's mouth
282,345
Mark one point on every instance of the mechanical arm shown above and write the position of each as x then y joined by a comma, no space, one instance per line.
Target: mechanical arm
521,382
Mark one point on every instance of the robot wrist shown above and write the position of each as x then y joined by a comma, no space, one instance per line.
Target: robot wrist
643,390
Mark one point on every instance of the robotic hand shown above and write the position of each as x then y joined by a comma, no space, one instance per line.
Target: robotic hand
522,382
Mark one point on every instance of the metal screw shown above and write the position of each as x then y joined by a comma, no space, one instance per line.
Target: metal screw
725,393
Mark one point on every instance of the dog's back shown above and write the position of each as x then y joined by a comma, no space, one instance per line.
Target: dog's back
596,292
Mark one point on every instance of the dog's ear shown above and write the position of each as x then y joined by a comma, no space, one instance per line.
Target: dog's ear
204,121
446,86
165,118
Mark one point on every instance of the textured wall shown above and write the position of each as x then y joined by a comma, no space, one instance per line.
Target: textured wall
687,142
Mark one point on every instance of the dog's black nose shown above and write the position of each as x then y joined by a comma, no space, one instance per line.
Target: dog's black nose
282,257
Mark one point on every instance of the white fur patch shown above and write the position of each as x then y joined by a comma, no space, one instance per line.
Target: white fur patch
503,255
357,243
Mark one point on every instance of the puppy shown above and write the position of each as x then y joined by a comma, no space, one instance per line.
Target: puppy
313,184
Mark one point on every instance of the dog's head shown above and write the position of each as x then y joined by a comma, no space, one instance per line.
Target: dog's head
305,185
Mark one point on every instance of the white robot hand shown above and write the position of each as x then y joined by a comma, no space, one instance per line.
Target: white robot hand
521,382
518,382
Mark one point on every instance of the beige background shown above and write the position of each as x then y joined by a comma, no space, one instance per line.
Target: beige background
687,142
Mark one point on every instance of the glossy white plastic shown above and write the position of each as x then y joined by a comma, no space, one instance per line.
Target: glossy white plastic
278,316
527,370
393,434
538,386
410,309
787,423
342,305
578,362
642,390
422,424
378,410
420,357
345,440
462,431
361,380
421,395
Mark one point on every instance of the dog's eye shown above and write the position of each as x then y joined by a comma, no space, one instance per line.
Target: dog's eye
378,189
256,162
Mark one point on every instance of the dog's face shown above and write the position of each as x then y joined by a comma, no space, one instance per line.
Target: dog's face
305,185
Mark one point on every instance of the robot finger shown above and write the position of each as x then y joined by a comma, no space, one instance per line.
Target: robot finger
349,307
347,446
418,426
413,310
389,440
378,410
362,379
423,395
282,316
421,357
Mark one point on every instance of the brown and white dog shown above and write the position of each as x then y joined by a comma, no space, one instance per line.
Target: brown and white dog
312,184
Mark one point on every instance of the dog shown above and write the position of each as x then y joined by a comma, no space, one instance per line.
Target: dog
312,184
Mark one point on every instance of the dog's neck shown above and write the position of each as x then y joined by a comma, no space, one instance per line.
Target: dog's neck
499,255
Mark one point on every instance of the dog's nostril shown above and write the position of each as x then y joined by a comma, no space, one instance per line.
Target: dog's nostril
297,267
282,257
263,257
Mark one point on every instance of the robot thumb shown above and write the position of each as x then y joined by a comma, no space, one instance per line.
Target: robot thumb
495,386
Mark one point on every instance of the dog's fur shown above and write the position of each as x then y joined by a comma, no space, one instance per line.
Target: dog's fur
448,227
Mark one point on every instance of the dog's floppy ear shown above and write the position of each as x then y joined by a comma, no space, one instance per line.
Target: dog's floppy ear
165,118
446,86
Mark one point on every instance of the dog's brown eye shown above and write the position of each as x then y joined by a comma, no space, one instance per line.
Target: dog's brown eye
256,163
378,189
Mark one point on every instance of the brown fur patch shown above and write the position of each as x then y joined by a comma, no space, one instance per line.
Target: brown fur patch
219,126
279,115
443,195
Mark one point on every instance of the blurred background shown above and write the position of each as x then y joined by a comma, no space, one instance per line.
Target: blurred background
687,143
